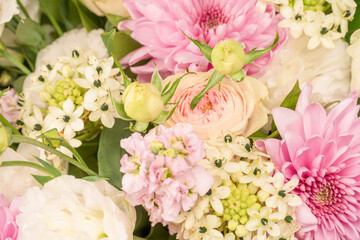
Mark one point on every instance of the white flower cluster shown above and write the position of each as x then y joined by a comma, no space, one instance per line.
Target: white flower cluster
75,94
248,200
324,21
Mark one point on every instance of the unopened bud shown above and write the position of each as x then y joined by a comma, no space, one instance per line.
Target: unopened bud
142,102
241,231
262,195
4,138
232,224
5,78
44,96
67,71
228,57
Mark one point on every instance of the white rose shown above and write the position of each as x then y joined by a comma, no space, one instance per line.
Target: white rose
15,181
104,7
354,51
8,8
321,67
73,209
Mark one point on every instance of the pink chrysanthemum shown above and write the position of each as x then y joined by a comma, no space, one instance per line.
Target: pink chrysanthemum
157,24
323,151
162,173
8,213
9,106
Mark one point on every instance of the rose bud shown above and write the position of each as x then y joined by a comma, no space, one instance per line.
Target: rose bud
142,102
228,57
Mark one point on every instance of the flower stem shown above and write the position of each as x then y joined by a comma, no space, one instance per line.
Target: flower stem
24,69
51,18
27,164
6,123
20,138
23,9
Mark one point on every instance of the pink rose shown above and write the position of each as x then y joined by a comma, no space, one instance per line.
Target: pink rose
237,107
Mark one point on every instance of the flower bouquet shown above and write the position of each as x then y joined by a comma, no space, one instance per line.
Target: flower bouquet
182,119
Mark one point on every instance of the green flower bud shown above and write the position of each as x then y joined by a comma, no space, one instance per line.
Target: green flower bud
244,219
142,102
67,71
228,57
49,88
79,100
232,224
4,139
5,78
256,206
262,195
76,92
44,96
244,194
241,231
252,188
156,146
251,200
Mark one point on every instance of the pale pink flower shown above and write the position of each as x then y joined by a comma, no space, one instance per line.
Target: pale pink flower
9,106
8,213
157,24
162,172
322,150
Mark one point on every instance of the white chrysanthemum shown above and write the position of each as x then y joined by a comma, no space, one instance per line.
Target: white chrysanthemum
321,67
14,181
73,209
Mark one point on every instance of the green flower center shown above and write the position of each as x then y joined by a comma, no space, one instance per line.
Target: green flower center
66,118
104,107
97,83
203,230
37,127
282,193
264,221
218,163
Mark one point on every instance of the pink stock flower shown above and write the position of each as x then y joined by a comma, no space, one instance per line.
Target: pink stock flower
158,25
161,172
322,150
8,213
9,105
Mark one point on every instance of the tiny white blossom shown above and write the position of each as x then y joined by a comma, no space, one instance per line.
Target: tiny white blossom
263,222
294,18
102,109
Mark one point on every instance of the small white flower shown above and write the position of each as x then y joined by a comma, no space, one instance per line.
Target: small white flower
287,231
263,222
34,123
206,229
102,109
258,173
98,79
281,193
321,29
67,119
294,18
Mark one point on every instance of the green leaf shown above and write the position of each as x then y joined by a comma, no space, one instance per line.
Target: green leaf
110,152
48,166
205,49
165,115
108,39
88,19
156,80
255,54
94,178
355,23
30,32
139,126
142,225
168,95
120,109
124,44
64,14
51,138
114,19
291,99
258,135
42,179
126,80
215,78
239,76
158,232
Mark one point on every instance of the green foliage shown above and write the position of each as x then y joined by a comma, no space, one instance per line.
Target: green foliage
49,167
215,78
255,54
205,49
291,99
89,20
355,23
156,80
110,152
42,179
30,32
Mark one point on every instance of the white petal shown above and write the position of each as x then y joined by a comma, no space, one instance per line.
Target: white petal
8,10
77,124
221,192
190,220
68,107
313,42
91,95
78,112
296,29
212,221
232,167
293,200
94,116
56,112
327,42
217,205
290,185
83,83
273,229
107,120
272,201
252,224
